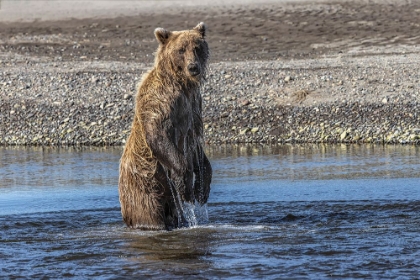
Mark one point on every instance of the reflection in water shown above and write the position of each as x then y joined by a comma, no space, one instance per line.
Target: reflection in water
310,150
27,167
292,211
184,250
318,161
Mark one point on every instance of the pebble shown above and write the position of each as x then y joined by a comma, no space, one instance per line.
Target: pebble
343,135
245,103
255,129
244,131
94,79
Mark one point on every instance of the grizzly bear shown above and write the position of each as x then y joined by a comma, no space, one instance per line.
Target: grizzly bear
163,165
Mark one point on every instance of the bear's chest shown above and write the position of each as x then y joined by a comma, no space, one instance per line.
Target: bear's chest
181,114
182,123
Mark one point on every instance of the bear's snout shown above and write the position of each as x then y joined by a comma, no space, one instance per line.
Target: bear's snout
194,69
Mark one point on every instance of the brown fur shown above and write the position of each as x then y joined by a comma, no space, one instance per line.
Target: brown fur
164,151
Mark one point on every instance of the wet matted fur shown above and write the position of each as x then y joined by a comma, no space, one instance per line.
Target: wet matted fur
163,164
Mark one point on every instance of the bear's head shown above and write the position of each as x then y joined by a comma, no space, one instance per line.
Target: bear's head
183,54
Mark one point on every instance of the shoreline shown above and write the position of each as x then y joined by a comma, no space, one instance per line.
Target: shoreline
277,74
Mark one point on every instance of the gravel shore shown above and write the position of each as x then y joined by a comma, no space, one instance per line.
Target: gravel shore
364,90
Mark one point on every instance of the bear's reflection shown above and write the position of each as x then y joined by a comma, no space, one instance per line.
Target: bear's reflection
178,250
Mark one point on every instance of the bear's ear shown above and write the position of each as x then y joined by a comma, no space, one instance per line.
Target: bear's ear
162,35
201,27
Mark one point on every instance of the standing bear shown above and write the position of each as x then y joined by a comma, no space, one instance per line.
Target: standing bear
163,165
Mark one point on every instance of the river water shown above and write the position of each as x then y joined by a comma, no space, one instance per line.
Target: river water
275,212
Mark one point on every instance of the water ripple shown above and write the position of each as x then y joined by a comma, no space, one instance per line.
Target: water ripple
267,227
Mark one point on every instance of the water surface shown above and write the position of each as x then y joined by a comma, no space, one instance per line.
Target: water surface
311,211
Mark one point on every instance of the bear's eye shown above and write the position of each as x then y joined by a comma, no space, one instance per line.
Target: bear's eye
181,51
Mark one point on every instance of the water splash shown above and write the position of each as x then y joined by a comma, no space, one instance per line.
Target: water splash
195,214
189,214
201,213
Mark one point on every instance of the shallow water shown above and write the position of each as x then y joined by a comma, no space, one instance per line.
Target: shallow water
312,211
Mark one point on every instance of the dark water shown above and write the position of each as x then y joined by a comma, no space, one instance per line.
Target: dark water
310,211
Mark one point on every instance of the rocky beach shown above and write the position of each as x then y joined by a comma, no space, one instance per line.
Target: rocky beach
280,72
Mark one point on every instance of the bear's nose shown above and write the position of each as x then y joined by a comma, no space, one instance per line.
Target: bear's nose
193,69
